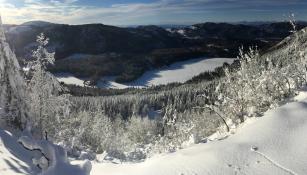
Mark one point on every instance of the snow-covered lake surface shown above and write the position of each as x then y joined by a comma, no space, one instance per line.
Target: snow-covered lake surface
274,144
177,72
68,78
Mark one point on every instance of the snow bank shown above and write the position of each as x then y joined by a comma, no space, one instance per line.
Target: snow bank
56,157
14,159
275,144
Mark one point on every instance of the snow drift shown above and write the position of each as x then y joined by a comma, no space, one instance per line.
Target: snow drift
54,160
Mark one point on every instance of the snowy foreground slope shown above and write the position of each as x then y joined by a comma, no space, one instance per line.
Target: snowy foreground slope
14,159
274,144
177,72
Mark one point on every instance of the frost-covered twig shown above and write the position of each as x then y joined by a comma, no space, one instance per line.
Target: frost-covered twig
217,113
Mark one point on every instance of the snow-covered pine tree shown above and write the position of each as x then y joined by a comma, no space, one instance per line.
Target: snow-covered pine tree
13,107
48,106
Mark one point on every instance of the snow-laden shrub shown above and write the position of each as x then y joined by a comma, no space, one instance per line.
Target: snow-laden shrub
118,138
261,82
136,138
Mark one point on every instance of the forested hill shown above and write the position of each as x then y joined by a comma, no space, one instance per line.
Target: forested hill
96,50
98,38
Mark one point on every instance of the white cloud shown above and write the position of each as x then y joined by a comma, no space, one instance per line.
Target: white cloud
67,11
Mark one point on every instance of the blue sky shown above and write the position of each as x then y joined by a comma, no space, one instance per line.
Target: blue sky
132,12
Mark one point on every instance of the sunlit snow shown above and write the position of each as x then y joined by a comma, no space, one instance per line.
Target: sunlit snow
177,72
273,144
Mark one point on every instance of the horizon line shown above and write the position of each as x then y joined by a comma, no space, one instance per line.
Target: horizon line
161,24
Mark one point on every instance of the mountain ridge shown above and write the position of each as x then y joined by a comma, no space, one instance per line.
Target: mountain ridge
129,52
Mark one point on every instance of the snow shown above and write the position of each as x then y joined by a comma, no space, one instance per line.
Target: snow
16,159
57,157
193,27
181,32
109,82
186,69
180,71
274,144
68,78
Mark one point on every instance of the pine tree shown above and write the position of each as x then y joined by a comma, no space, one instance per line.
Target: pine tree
47,104
13,106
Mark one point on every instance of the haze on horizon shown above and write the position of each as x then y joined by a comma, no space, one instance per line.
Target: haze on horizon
143,12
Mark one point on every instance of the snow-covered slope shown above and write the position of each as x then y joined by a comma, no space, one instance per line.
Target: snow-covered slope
14,159
177,72
275,144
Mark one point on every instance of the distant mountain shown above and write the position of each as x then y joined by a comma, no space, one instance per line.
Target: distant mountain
127,52
253,23
266,31
167,26
93,39
161,25
37,23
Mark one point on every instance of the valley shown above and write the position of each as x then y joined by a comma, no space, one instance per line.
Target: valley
128,52
179,72
153,87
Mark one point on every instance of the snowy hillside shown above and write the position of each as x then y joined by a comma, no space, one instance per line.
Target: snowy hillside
273,144
177,72
250,118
